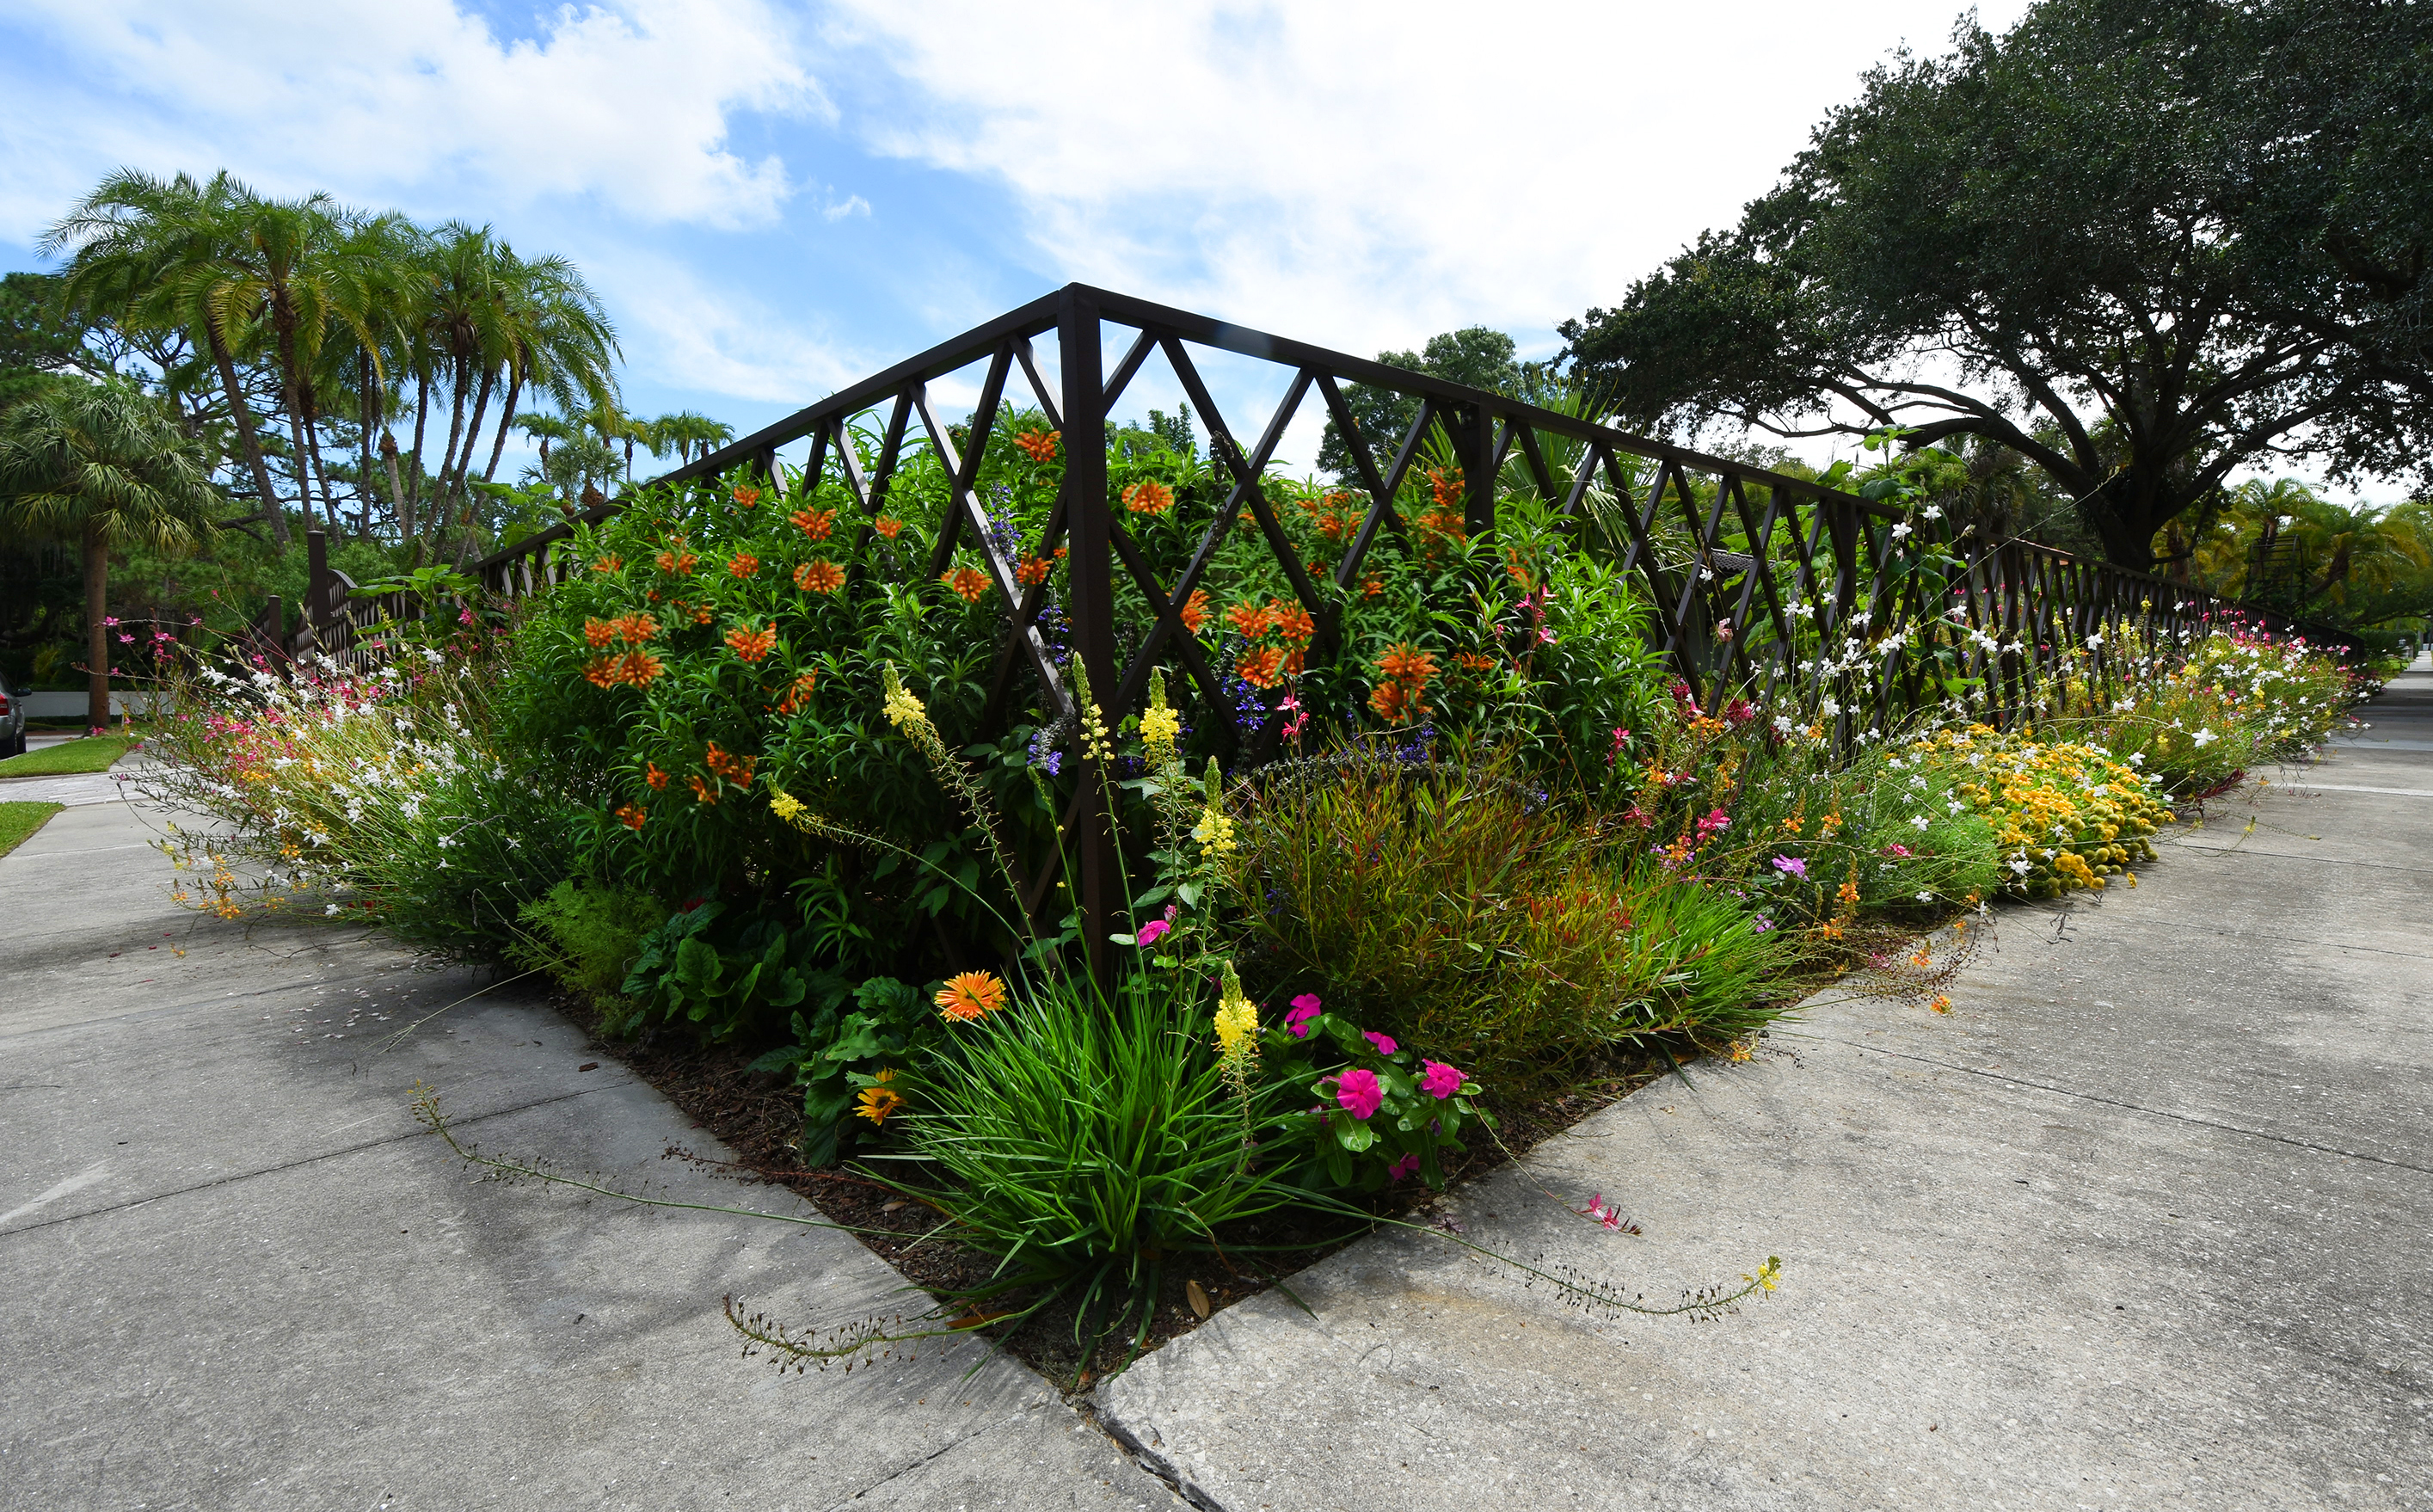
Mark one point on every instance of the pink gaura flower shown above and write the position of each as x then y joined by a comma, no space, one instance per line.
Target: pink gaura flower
1305,1008
1358,1093
1402,1169
1150,931
1384,1042
1441,1081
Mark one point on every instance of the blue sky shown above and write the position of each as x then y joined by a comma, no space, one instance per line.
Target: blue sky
775,199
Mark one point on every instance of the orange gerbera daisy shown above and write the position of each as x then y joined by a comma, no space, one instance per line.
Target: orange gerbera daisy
969,583
1040,446
753,644
971,995
1195,614
1259,666
631,817
745,565
819,575
816,523
889,526
1149,497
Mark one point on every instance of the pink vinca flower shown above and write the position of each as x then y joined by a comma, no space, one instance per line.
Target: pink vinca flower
1441,1081
1384,1042
1359,1094
1305,1008
1404,1169
1150,932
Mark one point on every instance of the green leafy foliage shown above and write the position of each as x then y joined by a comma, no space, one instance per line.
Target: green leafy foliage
587,937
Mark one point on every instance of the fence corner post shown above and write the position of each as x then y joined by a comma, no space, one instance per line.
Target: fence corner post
1092,588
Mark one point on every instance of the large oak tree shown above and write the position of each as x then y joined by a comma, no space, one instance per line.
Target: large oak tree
2143,243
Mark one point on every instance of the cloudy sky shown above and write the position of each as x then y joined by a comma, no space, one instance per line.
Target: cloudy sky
775,199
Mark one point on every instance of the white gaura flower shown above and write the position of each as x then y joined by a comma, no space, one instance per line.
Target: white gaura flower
1900,530
1917,820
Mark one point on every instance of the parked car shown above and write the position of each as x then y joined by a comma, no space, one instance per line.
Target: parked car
12,720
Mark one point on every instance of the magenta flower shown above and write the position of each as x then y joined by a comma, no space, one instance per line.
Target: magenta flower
1359,1094
1439,1080
1406,1167
1792,865
1305,1008
1384,1042
1151,930
1715,822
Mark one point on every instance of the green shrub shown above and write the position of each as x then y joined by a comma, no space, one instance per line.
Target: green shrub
587,936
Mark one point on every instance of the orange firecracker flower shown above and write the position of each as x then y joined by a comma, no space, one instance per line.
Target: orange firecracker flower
753,644
1149,497
635,628
816,523
973,995
701,792
745,565
631,817
651,774
639,667
1040,446
1195,614
819,575
676,559
610,564
1031,572
797,694
1293,622
1405,663
889,526
1261,665
598,633
1395,704
746,495
968,584
1249,618
600,671
701,615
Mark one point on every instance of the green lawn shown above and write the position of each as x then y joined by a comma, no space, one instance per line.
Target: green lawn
93,753
19,821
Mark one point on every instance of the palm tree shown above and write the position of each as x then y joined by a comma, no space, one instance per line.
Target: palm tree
105,464
685,431
558,340
546,429
143,251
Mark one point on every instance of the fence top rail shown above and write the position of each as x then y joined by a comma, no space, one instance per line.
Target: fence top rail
1041,316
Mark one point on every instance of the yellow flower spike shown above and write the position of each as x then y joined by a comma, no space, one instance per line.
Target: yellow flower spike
904,711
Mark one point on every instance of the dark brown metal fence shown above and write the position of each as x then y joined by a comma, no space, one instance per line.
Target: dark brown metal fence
1803,598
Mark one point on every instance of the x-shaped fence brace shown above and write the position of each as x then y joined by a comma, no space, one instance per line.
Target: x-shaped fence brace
1807,568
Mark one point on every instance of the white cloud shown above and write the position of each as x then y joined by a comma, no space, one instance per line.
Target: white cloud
682,332
629,102
852,204
1364,174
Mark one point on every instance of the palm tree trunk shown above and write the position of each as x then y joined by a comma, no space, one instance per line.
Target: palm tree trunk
395,490
440,499
364,465
473,439
421,414
96,610
241,415
506,418
320,470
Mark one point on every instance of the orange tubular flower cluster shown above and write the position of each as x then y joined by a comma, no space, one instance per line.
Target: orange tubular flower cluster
610,564
636,667
753,644
1195,613
675,558
969,583
1261,665
889,527
798,693
1333,513
597,633
1404,672
746,495
725,768
745,565
819,575
1150,498
1039,446
815,523
1031,572
631,817
632,629
701,792
651,774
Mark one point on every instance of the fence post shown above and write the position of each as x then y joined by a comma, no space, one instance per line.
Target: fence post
1092,589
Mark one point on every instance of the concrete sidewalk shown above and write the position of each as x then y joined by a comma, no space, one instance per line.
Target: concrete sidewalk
240,1276
2140,1225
